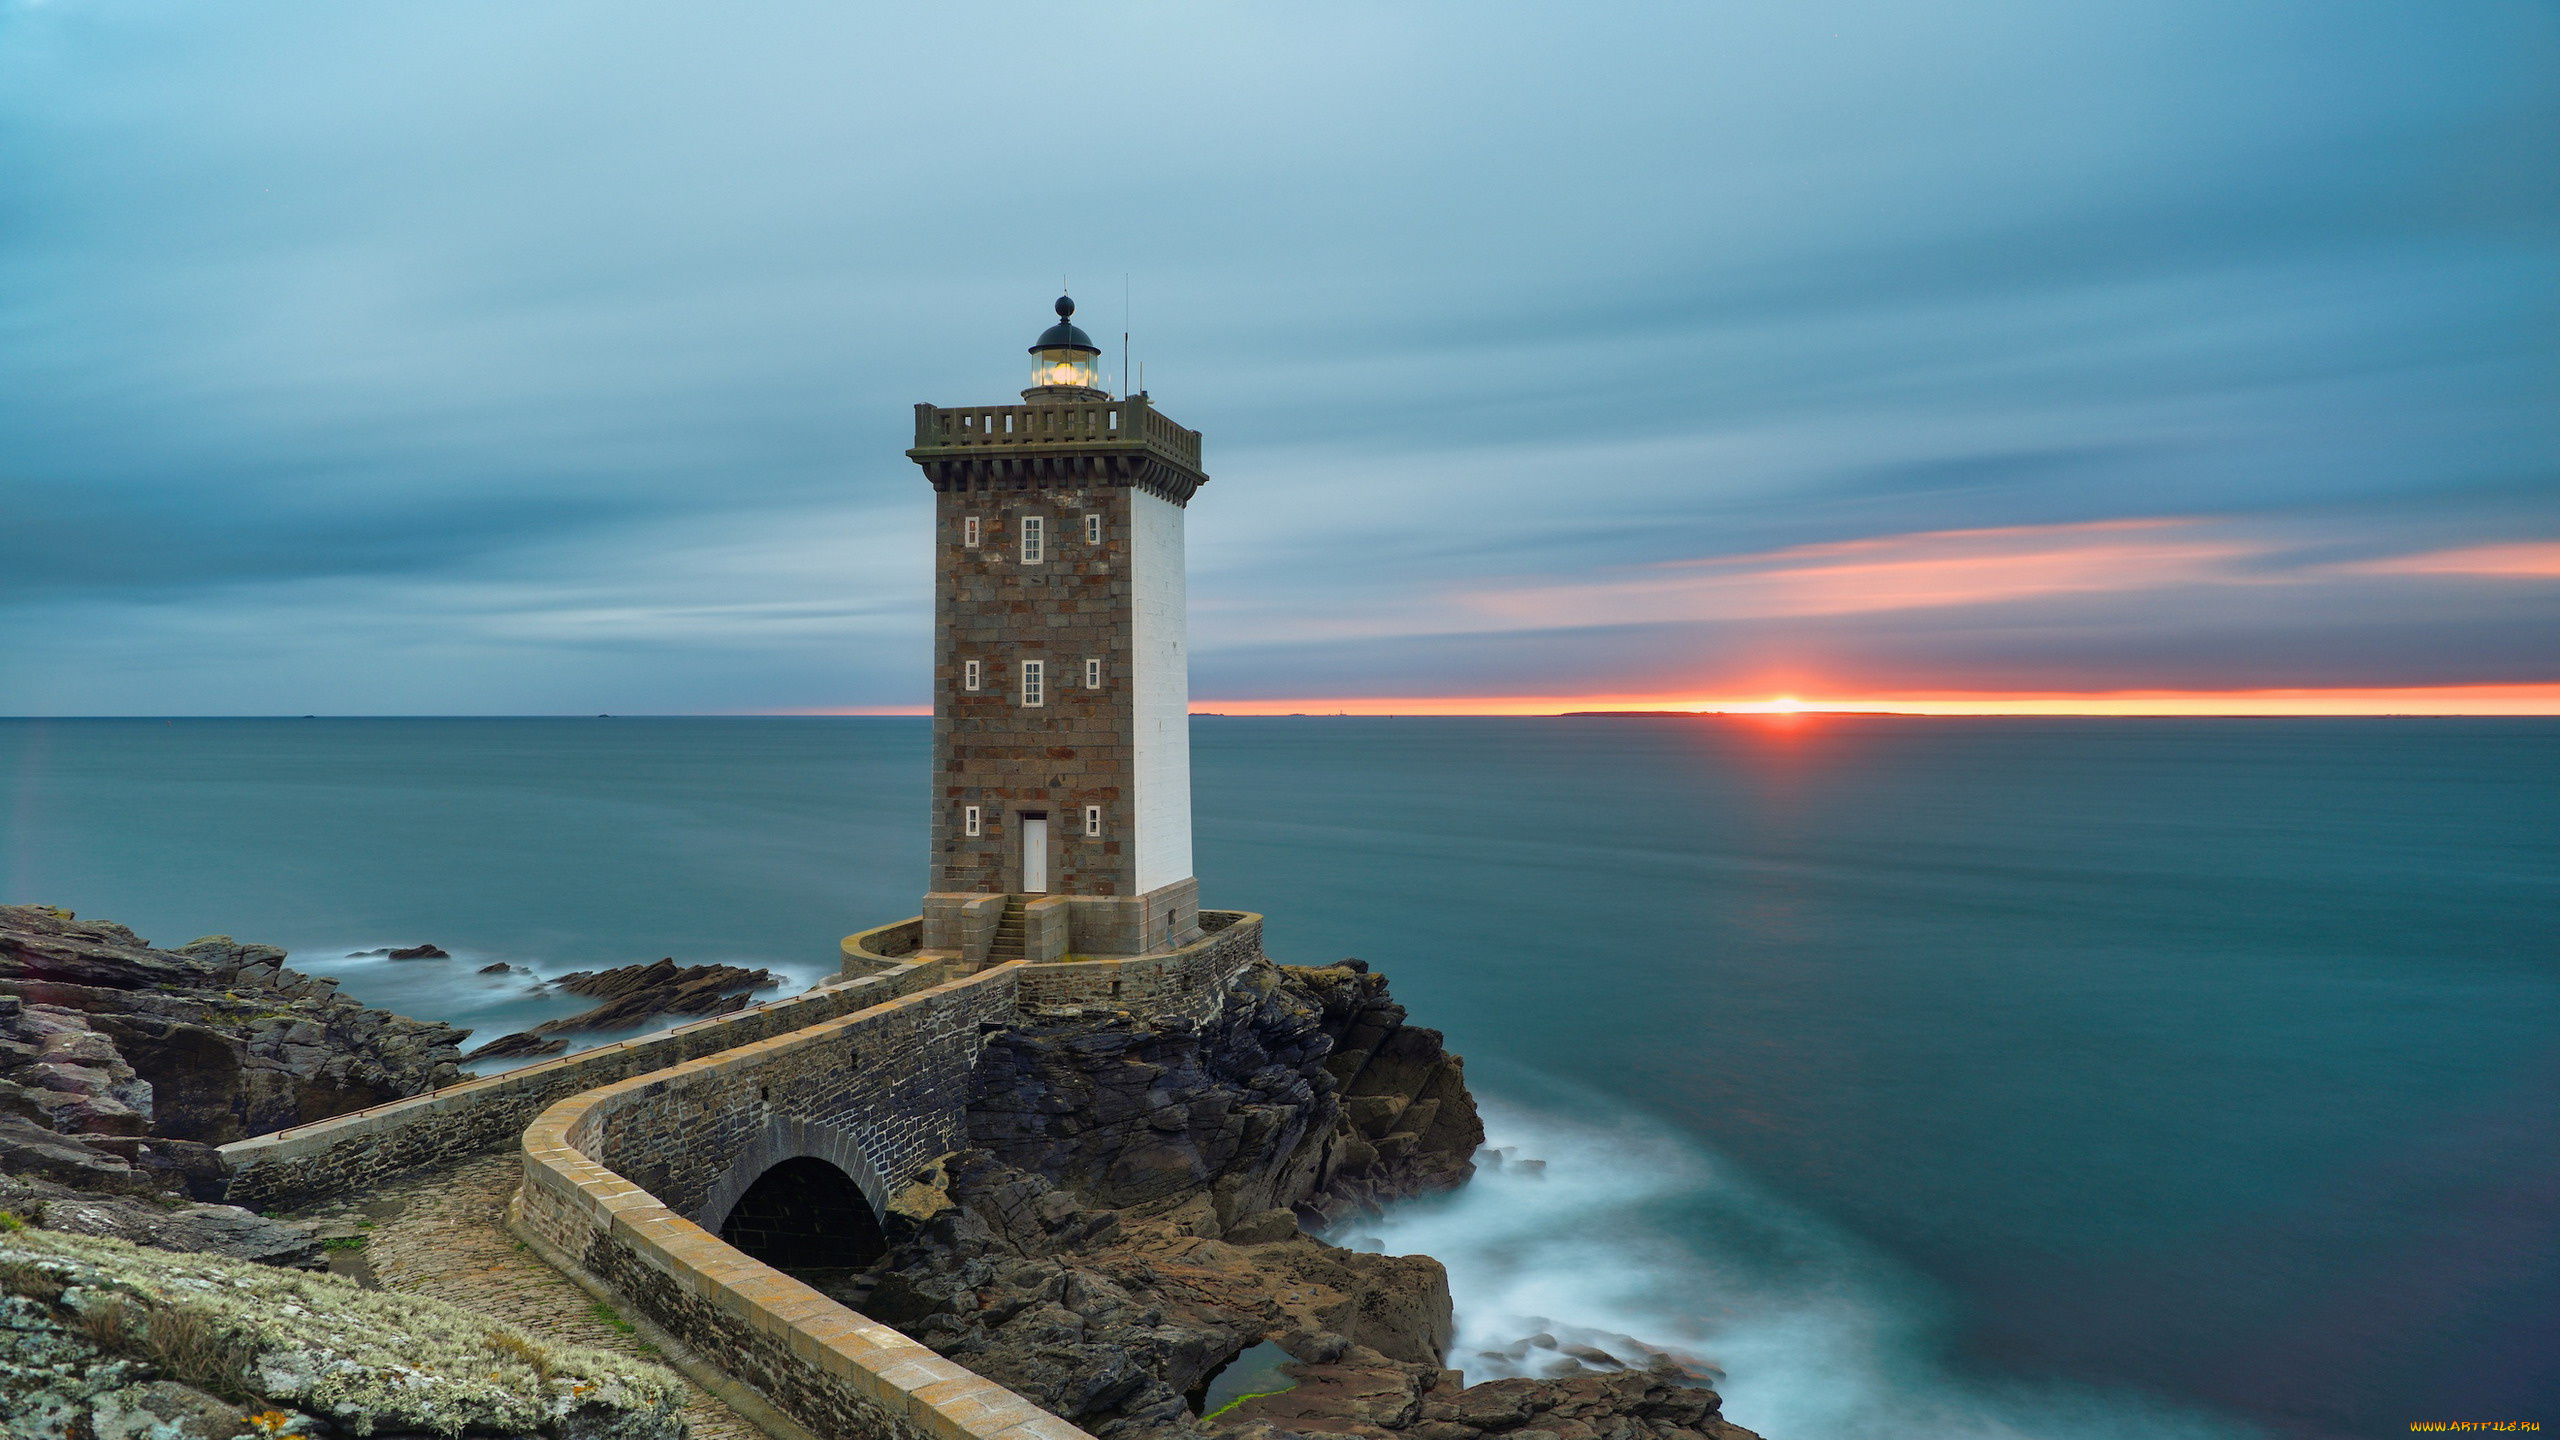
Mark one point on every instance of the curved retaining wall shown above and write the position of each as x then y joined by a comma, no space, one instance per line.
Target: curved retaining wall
627,1183
820,1364
868,952
635,1150
306,1164
1189,983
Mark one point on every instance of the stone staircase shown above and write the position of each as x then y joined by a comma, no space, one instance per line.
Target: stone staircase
1009,928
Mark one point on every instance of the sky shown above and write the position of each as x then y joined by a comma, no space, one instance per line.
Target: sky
525,358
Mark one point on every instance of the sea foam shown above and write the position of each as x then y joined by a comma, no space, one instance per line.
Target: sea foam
1631,1242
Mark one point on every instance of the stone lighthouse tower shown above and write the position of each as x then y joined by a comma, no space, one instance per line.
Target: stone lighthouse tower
1061,744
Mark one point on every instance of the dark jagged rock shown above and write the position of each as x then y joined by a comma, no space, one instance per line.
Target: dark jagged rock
122,1066
984,1272
1112,1318
210,1042
1308,1092
1628,1405
419,952
1136,1219
29,1149
1122,1112
162,1222
58,1071
522,1045
1409,1122
665,987
1134,1222
1116,1320
633,996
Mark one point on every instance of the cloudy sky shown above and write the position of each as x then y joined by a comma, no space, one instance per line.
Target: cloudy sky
557,357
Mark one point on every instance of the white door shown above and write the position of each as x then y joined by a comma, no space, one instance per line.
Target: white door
1035,854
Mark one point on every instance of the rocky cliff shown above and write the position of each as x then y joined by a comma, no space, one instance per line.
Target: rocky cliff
1136,1211
1137,1216
1308,1092
122,1065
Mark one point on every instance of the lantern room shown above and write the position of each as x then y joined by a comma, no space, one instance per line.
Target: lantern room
1065,363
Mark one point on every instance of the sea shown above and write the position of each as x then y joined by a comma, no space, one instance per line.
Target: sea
2003,1079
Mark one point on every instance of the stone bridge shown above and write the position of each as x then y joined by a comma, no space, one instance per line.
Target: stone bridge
660,1169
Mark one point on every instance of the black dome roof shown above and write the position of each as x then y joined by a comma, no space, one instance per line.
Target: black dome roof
1063,335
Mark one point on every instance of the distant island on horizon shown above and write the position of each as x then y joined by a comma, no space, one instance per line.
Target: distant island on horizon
1736,714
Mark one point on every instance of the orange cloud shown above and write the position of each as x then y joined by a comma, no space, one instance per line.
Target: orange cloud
1891,572
2525,559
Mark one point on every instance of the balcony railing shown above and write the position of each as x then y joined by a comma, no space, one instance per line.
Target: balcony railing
1133,422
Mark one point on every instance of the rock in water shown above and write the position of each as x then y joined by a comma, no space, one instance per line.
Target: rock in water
1132,1224
663,987
419,952
1118,1321
1632,1402
633,996
522,1045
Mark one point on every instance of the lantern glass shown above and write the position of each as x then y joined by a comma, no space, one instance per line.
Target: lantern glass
1064,365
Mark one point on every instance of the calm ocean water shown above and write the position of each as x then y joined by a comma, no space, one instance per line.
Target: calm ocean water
1936,1078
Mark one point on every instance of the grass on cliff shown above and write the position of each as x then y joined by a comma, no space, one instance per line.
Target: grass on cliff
369,1359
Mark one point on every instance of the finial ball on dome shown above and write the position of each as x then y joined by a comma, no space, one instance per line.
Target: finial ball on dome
1064,354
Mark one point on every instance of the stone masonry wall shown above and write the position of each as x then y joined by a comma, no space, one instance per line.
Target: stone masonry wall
894,1078
635,1150
826,1367
292,1168
1190,983
1073,750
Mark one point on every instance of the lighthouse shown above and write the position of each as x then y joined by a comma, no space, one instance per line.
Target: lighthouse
1061,820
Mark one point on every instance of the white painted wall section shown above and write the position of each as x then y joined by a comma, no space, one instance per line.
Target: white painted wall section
1161,768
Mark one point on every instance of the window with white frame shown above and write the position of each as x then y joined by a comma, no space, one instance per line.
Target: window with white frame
1093,819
1093,674
1035,682
969,531
1093,529
1035,539
973,673
973,821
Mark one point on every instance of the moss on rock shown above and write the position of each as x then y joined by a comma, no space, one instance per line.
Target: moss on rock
88,1324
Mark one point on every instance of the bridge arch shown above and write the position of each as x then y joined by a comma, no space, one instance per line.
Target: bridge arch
805,1215
802,1195
607,1169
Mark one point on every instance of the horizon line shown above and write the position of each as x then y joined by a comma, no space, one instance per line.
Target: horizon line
2441,701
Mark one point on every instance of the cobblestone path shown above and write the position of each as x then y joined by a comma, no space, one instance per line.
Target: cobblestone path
444,1235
